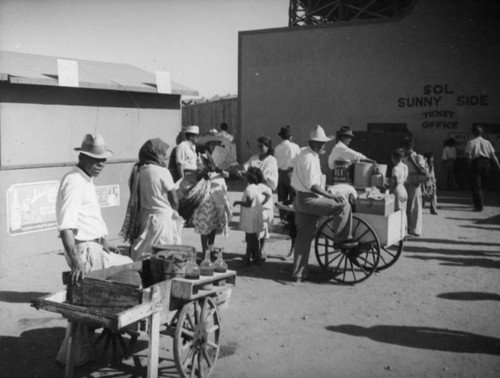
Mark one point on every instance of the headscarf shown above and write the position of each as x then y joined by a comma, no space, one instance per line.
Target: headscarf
152,152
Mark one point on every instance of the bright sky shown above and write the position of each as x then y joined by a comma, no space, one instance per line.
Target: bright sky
195,40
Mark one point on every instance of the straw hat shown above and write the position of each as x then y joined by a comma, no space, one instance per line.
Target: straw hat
192,129
317,134
94,146
212,136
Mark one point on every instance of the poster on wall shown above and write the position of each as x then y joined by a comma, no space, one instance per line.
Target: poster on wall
108,195
31,207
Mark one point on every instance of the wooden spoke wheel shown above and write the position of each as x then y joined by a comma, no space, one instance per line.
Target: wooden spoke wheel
348,265
390,254
197,338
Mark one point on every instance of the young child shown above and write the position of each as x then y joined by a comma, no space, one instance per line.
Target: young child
251,216
267,212
398,178
429,192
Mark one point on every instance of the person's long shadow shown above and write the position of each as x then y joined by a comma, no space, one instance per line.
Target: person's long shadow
20,296
465,262
424,338
470,296
451,252
452,242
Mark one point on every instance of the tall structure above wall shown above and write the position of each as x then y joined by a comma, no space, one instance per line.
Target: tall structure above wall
318,12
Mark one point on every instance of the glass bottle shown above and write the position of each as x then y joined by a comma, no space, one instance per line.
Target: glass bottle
192,269
207,266
220,266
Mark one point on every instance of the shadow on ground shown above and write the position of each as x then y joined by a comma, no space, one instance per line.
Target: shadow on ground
424,338
470,296
19,296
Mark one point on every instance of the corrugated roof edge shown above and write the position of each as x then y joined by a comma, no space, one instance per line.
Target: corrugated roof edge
148,87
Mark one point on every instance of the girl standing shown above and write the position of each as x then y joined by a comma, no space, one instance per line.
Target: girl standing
251,216
398,178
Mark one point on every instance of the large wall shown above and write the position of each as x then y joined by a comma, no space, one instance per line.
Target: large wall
434,69
40,126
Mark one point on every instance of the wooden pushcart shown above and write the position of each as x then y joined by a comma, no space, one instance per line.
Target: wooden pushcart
380,242
189,310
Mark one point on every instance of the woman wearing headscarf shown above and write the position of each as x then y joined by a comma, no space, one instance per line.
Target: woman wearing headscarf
152,216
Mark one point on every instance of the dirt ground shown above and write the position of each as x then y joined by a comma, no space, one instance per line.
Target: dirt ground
435,313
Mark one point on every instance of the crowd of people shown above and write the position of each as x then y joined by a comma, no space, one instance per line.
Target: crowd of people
187,187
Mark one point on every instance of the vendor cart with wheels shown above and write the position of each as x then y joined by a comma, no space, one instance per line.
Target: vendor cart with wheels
379,243
187,308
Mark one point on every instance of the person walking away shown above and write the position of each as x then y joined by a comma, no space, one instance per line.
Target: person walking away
312,201
172,162
429,188
83,231
448,161
284,153
186,152
152,216
417,174
251,215
213,214
481,154
398,179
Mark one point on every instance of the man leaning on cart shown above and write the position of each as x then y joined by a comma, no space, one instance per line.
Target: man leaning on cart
312,201
83,231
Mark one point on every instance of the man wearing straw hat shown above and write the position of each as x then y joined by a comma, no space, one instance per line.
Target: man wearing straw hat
82,229
313,201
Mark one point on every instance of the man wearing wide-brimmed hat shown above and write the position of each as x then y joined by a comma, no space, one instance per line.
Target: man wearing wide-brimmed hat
186,151
313,201
81,227
341,150
284,153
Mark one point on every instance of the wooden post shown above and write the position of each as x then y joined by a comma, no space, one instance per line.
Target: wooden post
70,353
154,334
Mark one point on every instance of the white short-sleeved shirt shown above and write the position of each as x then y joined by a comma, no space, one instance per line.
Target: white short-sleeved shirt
269,168
449,153
154,183
479,147
341,152
186,155
306,171
284,153
77,206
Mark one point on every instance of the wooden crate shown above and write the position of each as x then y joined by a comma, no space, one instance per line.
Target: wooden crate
384,206
389,229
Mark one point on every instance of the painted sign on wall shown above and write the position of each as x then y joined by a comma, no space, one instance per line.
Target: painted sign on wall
31,207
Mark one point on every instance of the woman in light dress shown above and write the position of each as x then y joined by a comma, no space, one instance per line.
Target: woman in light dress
152,216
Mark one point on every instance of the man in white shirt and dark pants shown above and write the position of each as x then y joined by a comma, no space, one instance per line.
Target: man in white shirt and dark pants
312,201
481,154
284,153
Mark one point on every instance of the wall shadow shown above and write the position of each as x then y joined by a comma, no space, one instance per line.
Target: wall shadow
450,241
424,338
19,296
470,296
465,262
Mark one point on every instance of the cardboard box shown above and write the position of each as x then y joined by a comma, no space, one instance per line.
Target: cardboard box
389,229
383,206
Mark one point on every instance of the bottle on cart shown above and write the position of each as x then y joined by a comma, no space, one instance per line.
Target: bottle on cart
207,266
192,269
220,266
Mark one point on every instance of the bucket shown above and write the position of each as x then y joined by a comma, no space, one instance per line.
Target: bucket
342,172
362,173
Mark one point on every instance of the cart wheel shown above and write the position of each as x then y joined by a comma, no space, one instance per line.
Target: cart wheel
348,265
390,254
197,338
